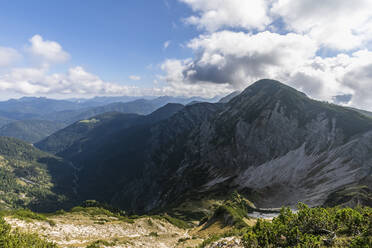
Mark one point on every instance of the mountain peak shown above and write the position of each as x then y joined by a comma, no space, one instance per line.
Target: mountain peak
267,81
271,86
267,92
165,112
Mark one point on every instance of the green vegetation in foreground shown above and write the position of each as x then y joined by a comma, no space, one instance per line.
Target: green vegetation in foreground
313,227
306,228
94,208
27,215
232,212
16,239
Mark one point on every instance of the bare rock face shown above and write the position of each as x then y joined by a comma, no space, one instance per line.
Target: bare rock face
271,140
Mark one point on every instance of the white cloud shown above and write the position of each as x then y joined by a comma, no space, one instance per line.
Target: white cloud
39,81
237,59
134,78
216,14
177,83
228,60
77,81
50,51
166,44
338,24
8,56
280,39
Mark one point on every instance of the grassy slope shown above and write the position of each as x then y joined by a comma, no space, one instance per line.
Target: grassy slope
32,178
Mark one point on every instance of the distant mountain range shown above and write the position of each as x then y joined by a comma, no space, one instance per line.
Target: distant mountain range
271,143
30,131
32,119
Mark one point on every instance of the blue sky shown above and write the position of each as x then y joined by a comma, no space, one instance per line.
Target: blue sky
87,48
114,39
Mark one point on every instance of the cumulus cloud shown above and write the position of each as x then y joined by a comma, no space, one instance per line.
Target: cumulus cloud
244,41
8,56
50,51
338,24
358,78
134,78
177,84
77,81
237,58
216,14
233,60
38,80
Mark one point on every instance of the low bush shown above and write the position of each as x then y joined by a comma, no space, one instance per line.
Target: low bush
16,239
312,227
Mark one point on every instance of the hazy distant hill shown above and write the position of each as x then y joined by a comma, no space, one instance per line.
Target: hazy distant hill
30,131
37,105
18,118
140,106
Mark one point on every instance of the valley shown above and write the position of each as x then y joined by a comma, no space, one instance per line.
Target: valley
186,124
197,175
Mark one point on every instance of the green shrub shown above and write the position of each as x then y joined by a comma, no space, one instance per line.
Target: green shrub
28,215
177,222
312,228
16,239
25,214
154,234
364,241
100,243
210,240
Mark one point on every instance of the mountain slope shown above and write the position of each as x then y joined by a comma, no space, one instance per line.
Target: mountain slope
140,106
76,137
364,112
66,137
32,178
271,142
277,145
98,138
230,96
30,131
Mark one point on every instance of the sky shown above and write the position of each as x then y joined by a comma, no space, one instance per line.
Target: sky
86,48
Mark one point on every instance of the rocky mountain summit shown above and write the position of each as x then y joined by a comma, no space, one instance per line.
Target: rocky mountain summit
271,142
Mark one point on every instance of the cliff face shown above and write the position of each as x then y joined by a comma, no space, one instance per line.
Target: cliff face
270,141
